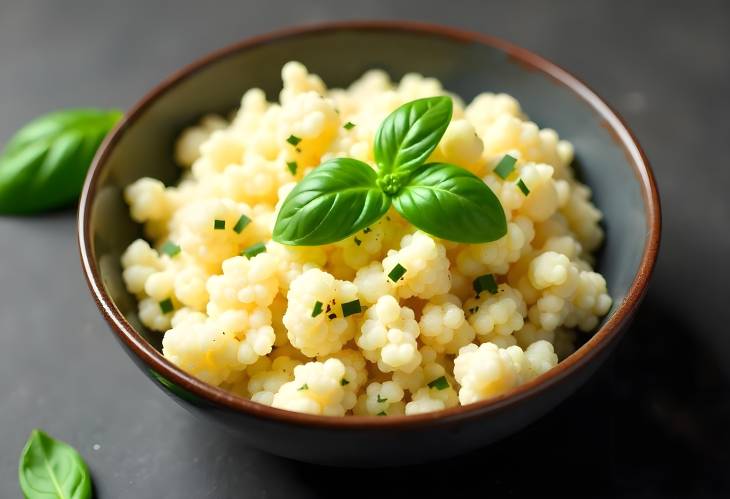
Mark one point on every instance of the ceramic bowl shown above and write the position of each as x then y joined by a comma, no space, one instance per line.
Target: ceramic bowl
608,159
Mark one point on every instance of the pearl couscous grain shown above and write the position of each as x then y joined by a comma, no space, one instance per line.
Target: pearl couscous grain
383,323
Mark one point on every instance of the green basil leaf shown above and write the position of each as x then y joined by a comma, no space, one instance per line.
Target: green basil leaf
335,200
51,469
408,136
44,164
452,203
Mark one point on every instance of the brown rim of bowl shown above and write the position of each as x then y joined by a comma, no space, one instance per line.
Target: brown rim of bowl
601,340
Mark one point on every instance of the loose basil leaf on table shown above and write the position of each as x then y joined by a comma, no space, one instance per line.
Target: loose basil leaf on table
452,203
335,200
44,164
51,469
408,136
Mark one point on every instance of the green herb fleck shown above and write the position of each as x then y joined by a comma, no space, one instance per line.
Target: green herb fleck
243,221
303,387
293,140
381,400
219,224
485,282
166,306
170,249
397,272
358,241
523,187
292,165
344,382
254,250
366,230
439,383
382,413
351,307
505,166
317,309
349,125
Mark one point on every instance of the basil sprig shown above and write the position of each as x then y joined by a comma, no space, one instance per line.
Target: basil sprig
343,196
50,468
44,164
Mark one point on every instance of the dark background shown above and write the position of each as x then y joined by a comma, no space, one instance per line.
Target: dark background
655,421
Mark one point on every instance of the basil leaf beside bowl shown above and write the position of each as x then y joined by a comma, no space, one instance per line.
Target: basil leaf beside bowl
335,200
50,468
43,166
408,136
451,203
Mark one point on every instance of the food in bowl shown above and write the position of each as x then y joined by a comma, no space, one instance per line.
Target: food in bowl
390,319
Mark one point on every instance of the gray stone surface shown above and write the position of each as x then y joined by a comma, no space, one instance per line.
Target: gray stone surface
648,424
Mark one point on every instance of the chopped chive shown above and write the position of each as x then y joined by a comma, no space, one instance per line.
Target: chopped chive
166,306
351,307
505,166
254,250
219,224
243,221
292,165
332,316
303,387
349,125
317,309
344,382
397,272
485,282
523,187
293,140
381,400
439,383
170,249
366,230
358,241
382,413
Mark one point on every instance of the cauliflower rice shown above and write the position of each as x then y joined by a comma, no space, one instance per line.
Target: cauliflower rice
236,308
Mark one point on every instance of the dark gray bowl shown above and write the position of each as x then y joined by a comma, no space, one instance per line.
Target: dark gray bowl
610,161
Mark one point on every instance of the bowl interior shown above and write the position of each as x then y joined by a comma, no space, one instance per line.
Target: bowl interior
339,55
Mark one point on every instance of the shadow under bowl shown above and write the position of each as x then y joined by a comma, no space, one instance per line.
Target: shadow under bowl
609,159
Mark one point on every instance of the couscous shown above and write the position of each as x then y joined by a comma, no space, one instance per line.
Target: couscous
391,319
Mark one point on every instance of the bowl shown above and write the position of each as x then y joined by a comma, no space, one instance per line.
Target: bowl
608,159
